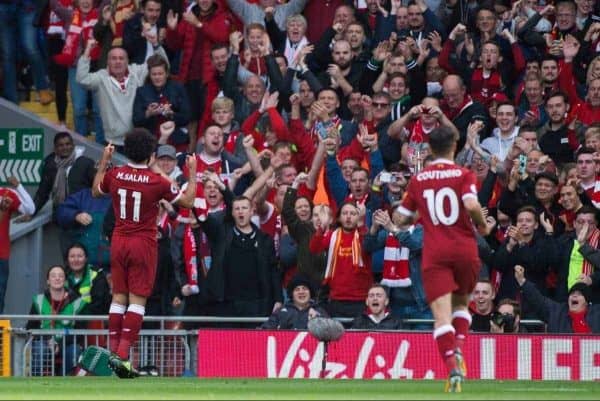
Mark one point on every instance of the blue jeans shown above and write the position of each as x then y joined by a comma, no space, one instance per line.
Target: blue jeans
16,28
3,282
79,96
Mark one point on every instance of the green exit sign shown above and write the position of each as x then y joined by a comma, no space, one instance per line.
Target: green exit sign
21,154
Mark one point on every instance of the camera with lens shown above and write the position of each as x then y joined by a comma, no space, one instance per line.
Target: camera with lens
505,320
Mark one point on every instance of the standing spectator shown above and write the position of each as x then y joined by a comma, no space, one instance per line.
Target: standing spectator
138,28
57,299
64,171
115,86
255,13
377,316
243,279
348,270
79,22
87,281
556,139
202,26
504,135
17,28
576,315
15,199
448,274
321,15
162,100
135,192
295,314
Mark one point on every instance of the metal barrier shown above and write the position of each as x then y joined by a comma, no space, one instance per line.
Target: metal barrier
54,352
5,355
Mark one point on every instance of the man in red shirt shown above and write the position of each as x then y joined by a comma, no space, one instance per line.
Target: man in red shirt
11,200
135,190
445,197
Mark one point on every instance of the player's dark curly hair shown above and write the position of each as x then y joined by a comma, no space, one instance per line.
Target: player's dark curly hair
139,145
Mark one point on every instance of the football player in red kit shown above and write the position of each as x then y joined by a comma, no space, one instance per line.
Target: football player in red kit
445,197
135,190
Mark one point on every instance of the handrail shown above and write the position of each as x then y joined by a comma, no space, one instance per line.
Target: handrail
205,319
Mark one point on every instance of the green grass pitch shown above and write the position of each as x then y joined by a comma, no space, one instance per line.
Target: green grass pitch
107,388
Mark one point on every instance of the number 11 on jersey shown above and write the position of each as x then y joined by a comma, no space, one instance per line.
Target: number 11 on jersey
137,201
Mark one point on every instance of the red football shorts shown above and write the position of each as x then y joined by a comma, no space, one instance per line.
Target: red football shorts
443,277
133,263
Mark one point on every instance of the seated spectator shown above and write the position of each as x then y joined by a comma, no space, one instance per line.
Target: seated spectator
507,318
58,299
296,313
576,315
161,100
482,306
377,316
11,200
88,281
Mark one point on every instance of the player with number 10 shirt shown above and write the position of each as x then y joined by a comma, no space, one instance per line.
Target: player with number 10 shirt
437,194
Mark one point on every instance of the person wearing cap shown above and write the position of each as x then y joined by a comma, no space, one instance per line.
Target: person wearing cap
540,193
166,158
528,247
294,315
576,315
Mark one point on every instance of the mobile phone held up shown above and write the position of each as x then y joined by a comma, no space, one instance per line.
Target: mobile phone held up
386,177
522,164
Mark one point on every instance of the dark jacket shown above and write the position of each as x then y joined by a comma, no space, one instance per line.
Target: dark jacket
537,258
555,314
133,41
219,230
80,176
176,94
313,265
291,318
364,322
100,291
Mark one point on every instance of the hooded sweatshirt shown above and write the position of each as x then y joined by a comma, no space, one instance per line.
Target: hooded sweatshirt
499,146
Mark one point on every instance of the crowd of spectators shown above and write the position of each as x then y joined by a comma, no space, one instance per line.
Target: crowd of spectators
308,118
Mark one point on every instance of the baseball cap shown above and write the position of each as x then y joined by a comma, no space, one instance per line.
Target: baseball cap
166,151
547,175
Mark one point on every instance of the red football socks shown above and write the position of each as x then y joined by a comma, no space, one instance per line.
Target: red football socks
461,321
115,323
132,324
445,339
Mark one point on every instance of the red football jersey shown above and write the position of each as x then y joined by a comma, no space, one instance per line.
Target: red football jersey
135,191
436,193
5,216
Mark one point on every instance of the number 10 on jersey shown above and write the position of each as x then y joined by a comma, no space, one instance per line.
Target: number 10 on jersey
435,205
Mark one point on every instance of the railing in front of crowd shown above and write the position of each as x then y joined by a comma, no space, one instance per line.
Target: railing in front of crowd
167,344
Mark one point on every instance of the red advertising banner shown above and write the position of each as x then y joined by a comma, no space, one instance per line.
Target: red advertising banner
398,355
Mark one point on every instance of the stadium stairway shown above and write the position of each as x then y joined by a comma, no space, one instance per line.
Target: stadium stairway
47,112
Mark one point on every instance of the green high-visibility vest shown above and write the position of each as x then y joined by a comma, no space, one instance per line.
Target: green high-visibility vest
44,308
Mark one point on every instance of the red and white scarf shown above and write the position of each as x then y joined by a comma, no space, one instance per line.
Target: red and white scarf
593,241
81,28
190,257
396,271
121,83
334,246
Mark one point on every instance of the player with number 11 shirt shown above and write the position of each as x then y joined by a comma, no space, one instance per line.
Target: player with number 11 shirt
135,190
445,197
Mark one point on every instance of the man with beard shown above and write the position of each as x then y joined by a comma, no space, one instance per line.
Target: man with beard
556,139
342,75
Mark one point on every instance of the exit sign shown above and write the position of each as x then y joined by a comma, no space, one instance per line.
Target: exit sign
21,154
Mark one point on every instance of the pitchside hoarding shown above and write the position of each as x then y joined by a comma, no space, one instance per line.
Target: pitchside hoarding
398,355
